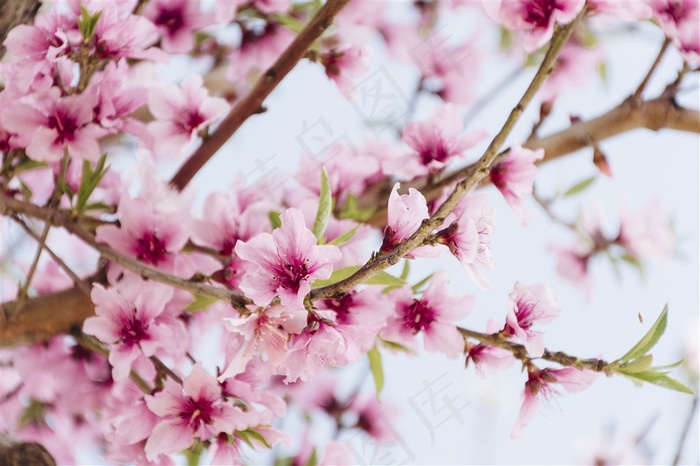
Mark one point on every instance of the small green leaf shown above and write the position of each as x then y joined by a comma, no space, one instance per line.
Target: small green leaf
386,279
275,220
420,284
87,22
382,278
640,364
580,186
650,339
667,366
393,346
660,379
193,453
406,270
313,459
634,261
257,436
283,461
289,22
353,212
325,207
199,303
375,365
89,181
345,237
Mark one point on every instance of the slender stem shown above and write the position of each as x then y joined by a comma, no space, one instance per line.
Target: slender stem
653,67
76,280
380,262
686,429
22,293
253,101
546,206
160,365
520,352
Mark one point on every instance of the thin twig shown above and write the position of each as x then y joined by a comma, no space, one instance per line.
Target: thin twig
686,429
481,169
653,67
253,101
76,280
160,365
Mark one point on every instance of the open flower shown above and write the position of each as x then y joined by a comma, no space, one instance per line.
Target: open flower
514,177
286,262
405,213
345,63
526,307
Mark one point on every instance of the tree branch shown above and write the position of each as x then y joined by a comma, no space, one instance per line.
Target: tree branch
253,101
14,13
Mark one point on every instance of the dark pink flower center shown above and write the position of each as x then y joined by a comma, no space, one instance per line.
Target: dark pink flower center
418,316
254,32
290,275
539,12
341,307
150,249
133,331
525,313
676,10
498,176
191,120
332,62
197,412
438,153
65,126
170,19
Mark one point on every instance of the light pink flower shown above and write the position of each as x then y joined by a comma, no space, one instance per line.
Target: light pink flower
468,236
287,262
47,124
48,38
575,67
540,388
534,19
514,177
345,63
194,410
260,46
133,322
177,20
526,307
489,358
436,142
181,114
572,264
647,233
120,34
433,315
629,10
405,213
147,233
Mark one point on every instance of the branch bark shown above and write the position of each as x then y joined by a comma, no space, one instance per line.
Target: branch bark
13,13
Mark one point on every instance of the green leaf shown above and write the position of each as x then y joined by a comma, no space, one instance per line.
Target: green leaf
660,379
634,261
351,211
580,186
283,461
275,220
193,453
640,364
257,436
406,270
289,22
87,22
420,284
375,365
650,339
382,278
200,302
325,207
667,366
313,459
89,181
393,346
345,237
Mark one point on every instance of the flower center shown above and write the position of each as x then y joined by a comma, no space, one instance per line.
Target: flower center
418,316
538,12
197,412
150,249
341,307
171,20
291,275
64,125
438,153
133,331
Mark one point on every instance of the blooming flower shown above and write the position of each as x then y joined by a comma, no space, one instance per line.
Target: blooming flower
260,46
133,322
539,388
647,233
527,306
435,141
345,63
47,124
514,177
181,113
535,19
286,262
193,410
176,21
405,213
433,315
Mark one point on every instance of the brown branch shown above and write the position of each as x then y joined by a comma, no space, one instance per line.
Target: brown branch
478,171
653,67
253,101
14,13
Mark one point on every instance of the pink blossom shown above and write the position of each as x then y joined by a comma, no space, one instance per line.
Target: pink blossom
120,34
287,262
193,410
526,307
647,233
260,46
534,19
49,37
514,177
176,20
468,236
405,213
345,63
337,454
436,142
575,67
48,124
433,315
182,113
629,10
572,264
489,358
133,322
149,234
540,388
373,418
